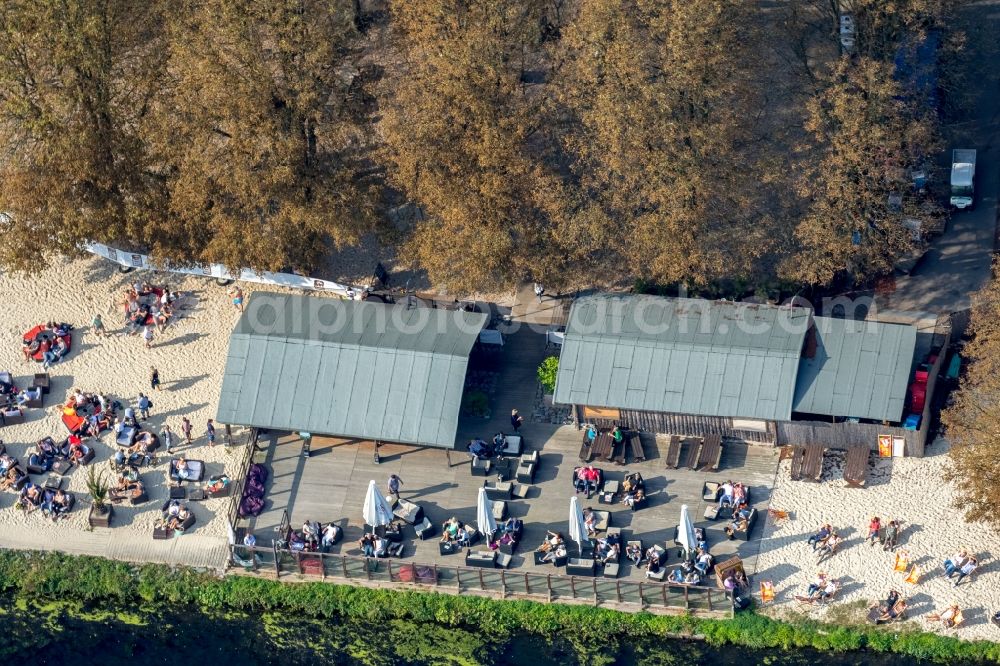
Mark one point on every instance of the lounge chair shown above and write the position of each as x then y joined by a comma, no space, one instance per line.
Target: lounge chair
196,470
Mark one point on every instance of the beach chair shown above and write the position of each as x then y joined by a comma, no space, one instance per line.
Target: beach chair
902,562
913,577
777,516
766,592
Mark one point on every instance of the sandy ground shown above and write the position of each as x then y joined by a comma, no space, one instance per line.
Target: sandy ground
908,489
190,356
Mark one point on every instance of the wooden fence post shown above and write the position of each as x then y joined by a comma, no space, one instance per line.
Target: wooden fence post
595,591
618,590
277,569
527,584
503,585
549,579
663,590
343,564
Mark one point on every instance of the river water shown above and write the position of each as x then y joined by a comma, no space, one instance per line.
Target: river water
78,636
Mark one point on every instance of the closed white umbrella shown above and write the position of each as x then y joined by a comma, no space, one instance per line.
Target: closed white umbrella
577,526
484,515
686,532
376,511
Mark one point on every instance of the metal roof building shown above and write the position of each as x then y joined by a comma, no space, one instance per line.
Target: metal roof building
348,368
859,369
685,356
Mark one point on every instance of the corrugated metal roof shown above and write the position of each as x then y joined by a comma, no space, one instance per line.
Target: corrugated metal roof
348,368
680,355
861,369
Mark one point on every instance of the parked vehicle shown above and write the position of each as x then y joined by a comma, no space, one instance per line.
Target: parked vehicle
963,176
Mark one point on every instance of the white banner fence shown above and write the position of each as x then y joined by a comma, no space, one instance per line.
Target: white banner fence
220,272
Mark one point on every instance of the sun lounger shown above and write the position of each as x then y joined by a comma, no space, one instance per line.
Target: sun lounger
856,466
674,452
710,454
693,452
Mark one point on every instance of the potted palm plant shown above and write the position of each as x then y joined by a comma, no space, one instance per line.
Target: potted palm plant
100,509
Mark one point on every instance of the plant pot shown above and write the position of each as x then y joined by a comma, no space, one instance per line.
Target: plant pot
100,518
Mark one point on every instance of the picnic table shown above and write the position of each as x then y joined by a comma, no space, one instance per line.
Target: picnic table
711,453
674,452
635,447
693,451
856,466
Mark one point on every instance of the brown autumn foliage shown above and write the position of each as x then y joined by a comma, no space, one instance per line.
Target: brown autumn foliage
575,143
253,137
972,420
867,139
76,81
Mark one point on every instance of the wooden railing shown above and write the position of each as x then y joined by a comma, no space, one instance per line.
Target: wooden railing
500,583
239,478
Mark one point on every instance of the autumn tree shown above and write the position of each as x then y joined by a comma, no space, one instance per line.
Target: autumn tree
255,136
76,82
972,420
461,129
868,135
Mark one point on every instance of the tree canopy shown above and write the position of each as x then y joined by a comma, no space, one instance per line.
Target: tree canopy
972,420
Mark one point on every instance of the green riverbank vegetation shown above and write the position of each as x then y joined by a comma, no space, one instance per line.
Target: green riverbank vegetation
94,581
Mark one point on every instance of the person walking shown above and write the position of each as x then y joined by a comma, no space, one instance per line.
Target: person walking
539,290
144,405
237,295
147,335
394,483
186,429
154,378
516,420
168,438
98,325
210,432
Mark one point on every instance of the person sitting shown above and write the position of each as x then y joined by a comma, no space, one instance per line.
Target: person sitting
331,535
40,460
816,585
739,523
367,544
450,529
28,394
587,480
78,451
966,569
130,420
513,525
7,462
30,498
947,618
729,583
703,563
607,551
47,447
652,567
499,443
380,546
59,505
634,497
182,469
742,582
552,540
310,532
11,478
479,449
60,349
818,539
873,529
466,535
590,521
633,552
829,547
890,536
676,576
890,600
128,487
739,494
176,521
692,578
590,433
581,480
727,494
555,553
955,562
829,590
653,553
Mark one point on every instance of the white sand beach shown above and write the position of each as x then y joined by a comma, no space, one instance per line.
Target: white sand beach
911,490
190,356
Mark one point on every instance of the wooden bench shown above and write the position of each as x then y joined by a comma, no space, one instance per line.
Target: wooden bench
693,451
602,446
711,453
856,466
798,455
635,447
618,451
674,452
812,464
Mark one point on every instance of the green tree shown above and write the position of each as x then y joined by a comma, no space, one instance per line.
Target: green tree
256,135
77,79
972,420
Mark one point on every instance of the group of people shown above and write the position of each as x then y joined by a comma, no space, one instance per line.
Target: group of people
888,536
889,610
825,541
960,564
509,534
553,548
633,490
587,480
822,588
46,452
454,531
144,306
128,486
176,516
54,503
